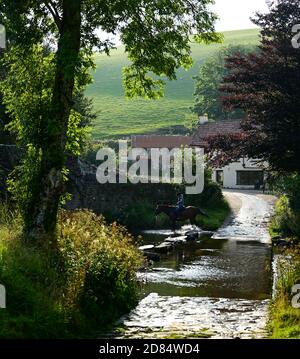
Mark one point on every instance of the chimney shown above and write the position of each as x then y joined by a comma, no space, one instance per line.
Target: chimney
203,119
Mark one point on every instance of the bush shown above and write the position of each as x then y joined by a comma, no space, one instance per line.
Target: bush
212,201
212,196
139,215
217,214
101,266
284,319
285,221
78,290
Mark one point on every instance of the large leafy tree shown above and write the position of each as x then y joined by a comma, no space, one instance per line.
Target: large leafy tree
207,87
5,136
266,86
156,35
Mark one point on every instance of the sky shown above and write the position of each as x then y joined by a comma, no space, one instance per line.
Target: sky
235,14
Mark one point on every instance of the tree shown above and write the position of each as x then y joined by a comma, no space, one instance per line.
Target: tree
5,136
266,86
81,104
156,36
207,88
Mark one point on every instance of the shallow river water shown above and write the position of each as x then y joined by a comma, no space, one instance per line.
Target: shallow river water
218,286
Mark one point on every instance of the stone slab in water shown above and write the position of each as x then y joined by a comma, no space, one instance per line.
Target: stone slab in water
146,248
176,240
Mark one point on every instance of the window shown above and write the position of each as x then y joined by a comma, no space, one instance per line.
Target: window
249,178
220,177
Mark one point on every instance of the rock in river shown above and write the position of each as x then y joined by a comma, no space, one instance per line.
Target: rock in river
176,240
146,248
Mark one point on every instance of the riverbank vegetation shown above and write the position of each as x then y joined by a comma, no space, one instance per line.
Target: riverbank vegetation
264,85
285,227
141,215
69,273
137,209
76,291
286,220
284,317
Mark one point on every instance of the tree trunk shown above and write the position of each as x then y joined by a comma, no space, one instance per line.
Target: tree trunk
45,202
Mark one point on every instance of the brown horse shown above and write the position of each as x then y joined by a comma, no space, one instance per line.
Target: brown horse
188,213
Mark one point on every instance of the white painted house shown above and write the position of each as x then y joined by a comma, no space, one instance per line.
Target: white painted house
243,174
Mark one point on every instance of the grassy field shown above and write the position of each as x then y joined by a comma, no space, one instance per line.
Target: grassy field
120,117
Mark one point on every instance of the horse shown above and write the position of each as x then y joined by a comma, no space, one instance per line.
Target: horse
188,213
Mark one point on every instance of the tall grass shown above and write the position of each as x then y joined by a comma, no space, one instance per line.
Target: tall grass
284,319
76,291
286,221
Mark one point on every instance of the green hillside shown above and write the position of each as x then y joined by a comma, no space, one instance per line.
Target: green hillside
120,117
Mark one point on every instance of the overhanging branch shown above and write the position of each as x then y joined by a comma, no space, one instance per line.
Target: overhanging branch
51,7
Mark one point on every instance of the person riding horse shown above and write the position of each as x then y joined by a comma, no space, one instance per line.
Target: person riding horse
180,212
180,207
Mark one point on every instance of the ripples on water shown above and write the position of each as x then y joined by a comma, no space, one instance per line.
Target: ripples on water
211,267
221,283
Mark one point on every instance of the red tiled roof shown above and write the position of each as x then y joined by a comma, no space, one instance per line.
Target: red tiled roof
152,141
215,128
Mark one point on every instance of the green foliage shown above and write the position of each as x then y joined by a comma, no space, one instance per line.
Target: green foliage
162,45
265,86
27,92
139,215
156,36
80,290
214,204
286,219
101,263
29,105
120,117
207,93
216,216
289,185
284,319
5,136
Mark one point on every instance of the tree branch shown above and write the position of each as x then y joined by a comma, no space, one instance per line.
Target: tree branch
51,7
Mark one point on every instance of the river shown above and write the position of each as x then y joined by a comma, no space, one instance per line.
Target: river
218,286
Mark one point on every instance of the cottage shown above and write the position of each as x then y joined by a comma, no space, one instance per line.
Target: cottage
243,174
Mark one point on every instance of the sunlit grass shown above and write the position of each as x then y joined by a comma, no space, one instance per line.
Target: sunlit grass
119,116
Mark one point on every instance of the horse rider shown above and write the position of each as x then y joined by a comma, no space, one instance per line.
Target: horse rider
179,205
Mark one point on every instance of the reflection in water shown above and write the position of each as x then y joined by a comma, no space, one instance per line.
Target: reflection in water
212,268
220,284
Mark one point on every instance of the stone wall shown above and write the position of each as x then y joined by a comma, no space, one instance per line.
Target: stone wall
111,198
88,193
